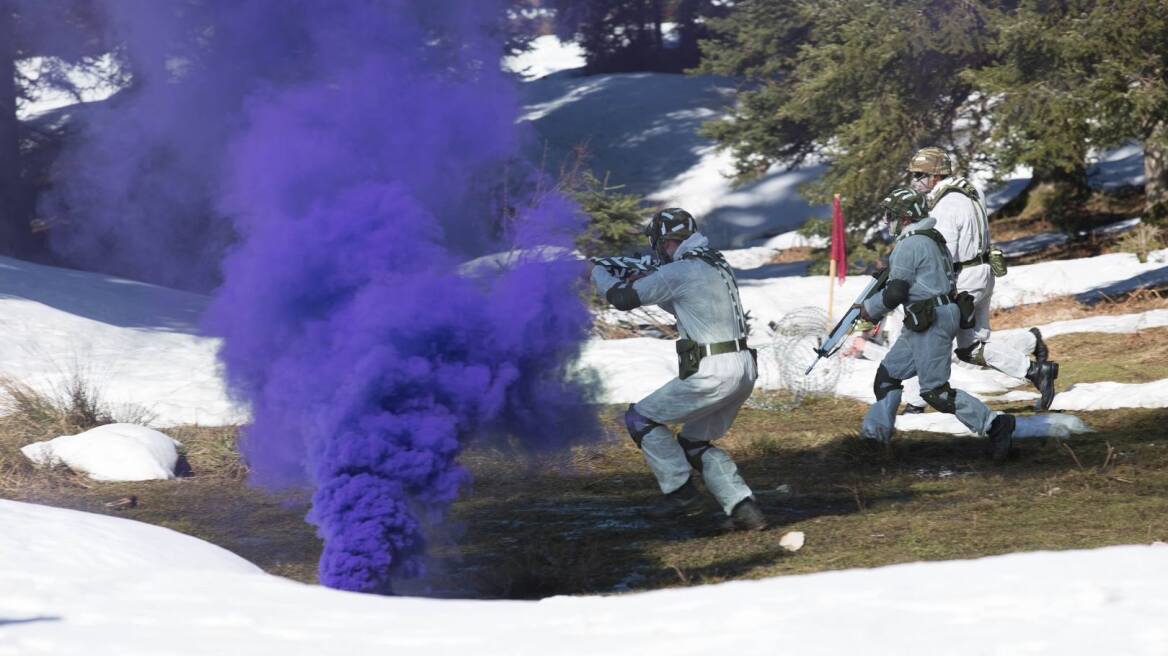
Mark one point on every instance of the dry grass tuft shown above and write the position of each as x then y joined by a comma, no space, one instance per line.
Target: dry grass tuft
1066,307
28,415
212,451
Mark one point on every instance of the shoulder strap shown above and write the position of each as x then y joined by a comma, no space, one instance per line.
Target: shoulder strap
938,239
716,260
966,188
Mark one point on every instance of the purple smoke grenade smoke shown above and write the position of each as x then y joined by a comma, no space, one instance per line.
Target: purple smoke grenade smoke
368,359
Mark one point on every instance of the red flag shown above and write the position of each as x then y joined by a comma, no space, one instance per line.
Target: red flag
839,249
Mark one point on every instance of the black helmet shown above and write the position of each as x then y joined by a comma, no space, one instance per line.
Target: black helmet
669,223
901,203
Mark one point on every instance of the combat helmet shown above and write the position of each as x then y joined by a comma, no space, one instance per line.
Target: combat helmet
669,223
901,203
931,160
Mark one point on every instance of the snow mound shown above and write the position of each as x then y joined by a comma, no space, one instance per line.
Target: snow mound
114,452
1110,396
42,545
1029,426
76,583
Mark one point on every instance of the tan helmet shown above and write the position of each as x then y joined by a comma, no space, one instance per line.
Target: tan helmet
931,160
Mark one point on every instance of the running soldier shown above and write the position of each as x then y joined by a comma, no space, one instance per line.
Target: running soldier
716,370
959,209
921,277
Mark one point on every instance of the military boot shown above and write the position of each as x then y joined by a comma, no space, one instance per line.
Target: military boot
1001,436
1042,375
685,501
1041,353
747,516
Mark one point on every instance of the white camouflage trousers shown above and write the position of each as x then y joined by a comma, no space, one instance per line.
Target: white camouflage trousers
705,404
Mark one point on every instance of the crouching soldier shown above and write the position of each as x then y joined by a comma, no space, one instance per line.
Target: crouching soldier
921,277
717,370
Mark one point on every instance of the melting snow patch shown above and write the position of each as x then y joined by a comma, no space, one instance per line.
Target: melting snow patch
115,452
1029,426
1109,396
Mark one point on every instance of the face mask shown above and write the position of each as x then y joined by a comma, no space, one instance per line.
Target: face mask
920,184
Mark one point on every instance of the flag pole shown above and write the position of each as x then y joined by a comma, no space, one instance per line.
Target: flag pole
830,289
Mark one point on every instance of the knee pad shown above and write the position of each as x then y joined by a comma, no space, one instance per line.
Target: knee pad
885,383
973,354
693,450
638,425
943,398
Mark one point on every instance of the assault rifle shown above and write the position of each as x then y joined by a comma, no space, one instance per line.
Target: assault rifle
835,339
625,267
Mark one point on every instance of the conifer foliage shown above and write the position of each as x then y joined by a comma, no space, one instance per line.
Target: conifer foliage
1038,83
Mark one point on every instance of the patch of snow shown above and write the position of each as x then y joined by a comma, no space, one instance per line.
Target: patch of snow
1114,324
90,87
1032,283
114,452
643,130
84,584
1120,167
1028,426
134,344
44,549
1110,395
1044,240
546,55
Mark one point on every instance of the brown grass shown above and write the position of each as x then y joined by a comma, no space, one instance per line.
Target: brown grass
792,255
1066,307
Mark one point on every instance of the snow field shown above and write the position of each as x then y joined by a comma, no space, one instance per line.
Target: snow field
91,585
136,345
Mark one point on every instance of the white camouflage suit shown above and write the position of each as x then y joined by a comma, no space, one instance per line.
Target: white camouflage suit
965,225
705,301
919,260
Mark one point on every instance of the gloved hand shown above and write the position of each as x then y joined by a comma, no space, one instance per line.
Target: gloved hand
863,325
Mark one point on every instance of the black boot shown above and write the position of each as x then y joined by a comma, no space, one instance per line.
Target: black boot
910,409
685,501
747,516
1042,375
1041,353
1001,436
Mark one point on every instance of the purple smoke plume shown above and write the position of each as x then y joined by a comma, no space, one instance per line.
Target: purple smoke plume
358,148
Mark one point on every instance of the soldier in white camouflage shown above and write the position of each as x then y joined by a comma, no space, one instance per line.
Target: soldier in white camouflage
959,208
716,372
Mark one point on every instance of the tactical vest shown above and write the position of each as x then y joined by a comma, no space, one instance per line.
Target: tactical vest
716,260
966,188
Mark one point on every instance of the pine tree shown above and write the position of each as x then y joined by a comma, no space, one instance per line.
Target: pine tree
862,84
629,35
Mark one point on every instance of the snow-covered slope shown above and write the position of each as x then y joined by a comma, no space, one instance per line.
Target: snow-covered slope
642,129
89,585
135,344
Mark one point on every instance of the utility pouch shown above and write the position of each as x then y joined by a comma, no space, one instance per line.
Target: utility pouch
997,262
689,356
965,303
920,315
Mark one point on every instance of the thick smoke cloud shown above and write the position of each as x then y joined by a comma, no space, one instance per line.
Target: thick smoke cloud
354,150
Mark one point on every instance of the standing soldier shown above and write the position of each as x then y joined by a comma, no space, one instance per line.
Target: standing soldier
716,369
959,209
921,277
